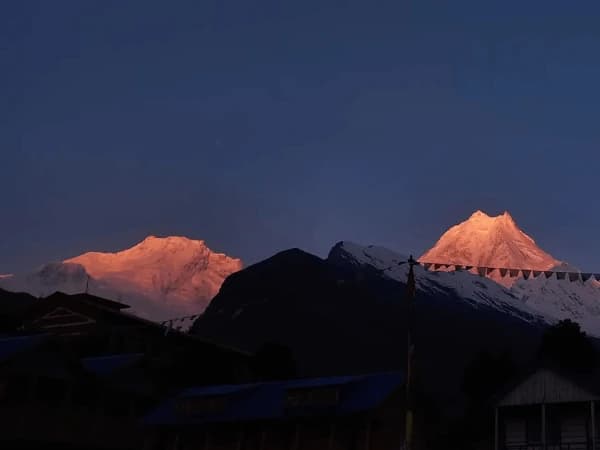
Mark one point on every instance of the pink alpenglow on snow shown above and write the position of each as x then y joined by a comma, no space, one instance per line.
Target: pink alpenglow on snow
160,278
497,241
489,241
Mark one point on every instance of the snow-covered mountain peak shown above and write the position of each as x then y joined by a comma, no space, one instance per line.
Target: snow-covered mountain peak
487,241
158,242
490,241
155,253
170,244
160,277
481,221
481,215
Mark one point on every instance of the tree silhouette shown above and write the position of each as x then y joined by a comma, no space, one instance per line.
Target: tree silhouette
274,361
485,375
564,345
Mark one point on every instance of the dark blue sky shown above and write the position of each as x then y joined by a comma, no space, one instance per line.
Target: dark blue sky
263,125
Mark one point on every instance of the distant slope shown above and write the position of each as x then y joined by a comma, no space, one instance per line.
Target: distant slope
474,290
12,309
562,299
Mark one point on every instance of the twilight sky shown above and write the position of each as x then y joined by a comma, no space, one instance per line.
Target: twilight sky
268,124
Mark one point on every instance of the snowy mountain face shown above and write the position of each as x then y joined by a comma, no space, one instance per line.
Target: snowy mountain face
487,241
160,278
71,278
562,299
477,291
497,241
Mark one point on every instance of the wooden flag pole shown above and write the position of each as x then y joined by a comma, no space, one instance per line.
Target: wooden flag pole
410,297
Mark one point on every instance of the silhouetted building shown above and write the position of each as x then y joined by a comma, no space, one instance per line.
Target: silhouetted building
92,326
82,373
50,399
347,412
548,410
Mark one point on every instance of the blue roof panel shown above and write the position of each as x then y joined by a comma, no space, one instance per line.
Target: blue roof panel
268,400
371,391
11,346
322,382
105,365
215,390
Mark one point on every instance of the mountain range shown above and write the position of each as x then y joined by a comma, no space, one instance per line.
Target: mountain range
345,313
160,277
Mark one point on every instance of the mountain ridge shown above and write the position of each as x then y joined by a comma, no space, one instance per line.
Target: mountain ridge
347,314
161,277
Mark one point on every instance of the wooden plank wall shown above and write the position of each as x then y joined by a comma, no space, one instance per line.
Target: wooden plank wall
573,430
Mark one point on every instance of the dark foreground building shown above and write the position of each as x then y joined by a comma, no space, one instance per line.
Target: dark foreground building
49,399
548,410
354,412
87,325
80,373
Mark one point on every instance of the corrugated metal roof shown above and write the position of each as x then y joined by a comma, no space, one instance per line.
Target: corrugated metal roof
105,365
585,384
268,400
11,346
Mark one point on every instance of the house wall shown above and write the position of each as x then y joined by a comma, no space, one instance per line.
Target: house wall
567,427
380,429
356,433
568,413
44,411
574,425
387,423
515,431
